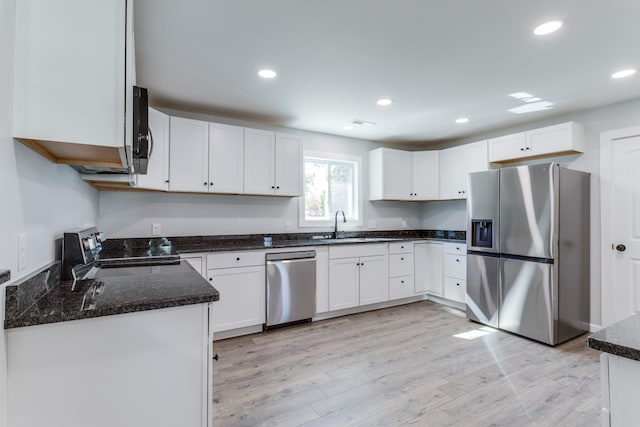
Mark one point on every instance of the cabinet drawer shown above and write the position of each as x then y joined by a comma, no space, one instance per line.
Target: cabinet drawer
400,287
455,289
455,266
343,250
400,265
400,247
235,259
455,248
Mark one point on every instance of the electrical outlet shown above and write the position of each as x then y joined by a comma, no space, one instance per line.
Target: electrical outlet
287,226
156,229
22,251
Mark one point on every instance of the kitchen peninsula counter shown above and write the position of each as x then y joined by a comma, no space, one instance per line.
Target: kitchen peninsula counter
43,298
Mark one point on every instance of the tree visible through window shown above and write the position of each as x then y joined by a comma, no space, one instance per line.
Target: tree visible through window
329,186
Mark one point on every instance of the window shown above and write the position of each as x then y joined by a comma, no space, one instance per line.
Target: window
331,183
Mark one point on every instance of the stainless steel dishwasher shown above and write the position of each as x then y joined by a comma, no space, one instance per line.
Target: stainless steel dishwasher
291,287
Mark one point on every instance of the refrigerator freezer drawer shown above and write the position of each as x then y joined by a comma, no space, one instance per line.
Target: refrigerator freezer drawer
482,289
526,299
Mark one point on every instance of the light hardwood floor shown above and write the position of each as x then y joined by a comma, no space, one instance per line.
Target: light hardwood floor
403,366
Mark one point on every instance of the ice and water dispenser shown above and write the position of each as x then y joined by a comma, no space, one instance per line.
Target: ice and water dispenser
482,233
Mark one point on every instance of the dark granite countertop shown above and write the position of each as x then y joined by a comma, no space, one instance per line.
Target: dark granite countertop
43,298
5,275
146,247
620,339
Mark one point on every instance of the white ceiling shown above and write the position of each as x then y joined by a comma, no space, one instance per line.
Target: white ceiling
437,59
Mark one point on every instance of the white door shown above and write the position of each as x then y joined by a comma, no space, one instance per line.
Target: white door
344,277
188,155
451,173
242,297
259,162
226,151
625,244
426,175
397,174
374,280
288,167
507,147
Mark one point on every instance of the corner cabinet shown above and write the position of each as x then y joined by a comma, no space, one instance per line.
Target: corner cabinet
456,163
74,76
272,163
429,261
403,175
556,140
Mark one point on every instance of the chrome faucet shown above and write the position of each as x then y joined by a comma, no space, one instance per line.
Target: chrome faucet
335,229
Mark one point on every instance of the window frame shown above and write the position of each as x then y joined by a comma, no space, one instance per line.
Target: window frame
358,203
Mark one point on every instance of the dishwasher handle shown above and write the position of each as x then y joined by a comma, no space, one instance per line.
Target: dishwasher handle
286,256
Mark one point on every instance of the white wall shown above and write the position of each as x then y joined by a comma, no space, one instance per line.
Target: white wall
596,121
37,198
132,214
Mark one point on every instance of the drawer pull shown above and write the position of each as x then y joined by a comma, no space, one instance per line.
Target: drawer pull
401,259
457,284
211,279
401,281
238,259
457,260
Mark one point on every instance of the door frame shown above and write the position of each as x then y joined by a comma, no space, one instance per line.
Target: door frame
607,139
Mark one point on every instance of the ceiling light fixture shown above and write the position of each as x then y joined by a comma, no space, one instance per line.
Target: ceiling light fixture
462,120
384,102
348,127
534,106
267,74
623,73
547,28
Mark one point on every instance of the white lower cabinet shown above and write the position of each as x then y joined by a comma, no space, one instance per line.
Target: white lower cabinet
322,279
149,368
401,287
455,272
357,275
401,270
240,279
428,268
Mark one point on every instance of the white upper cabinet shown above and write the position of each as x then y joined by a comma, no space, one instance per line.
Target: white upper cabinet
157,177
189,155
426,175
226,162
272,163
71,71
403,175
556,140
456,163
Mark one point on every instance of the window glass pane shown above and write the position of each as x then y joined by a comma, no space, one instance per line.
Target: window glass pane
316,188
329,186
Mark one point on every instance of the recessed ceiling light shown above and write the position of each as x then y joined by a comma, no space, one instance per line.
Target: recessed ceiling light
521,95
623,73
547,28
384,102
348,127
267,74
462,120
534,106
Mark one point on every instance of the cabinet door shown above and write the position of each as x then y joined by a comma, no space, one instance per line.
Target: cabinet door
344,278
455,289
374,279
451,186
188,155
226,151
550,139
242,301
507,147
475,158
400,287
428,268
288,167
157,176
259,162
426,175
70,71
397,174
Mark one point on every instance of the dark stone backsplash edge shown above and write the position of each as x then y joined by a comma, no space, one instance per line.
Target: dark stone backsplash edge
180,242
20,296
5,276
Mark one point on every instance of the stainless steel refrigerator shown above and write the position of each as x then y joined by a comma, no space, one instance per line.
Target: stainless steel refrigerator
528,251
